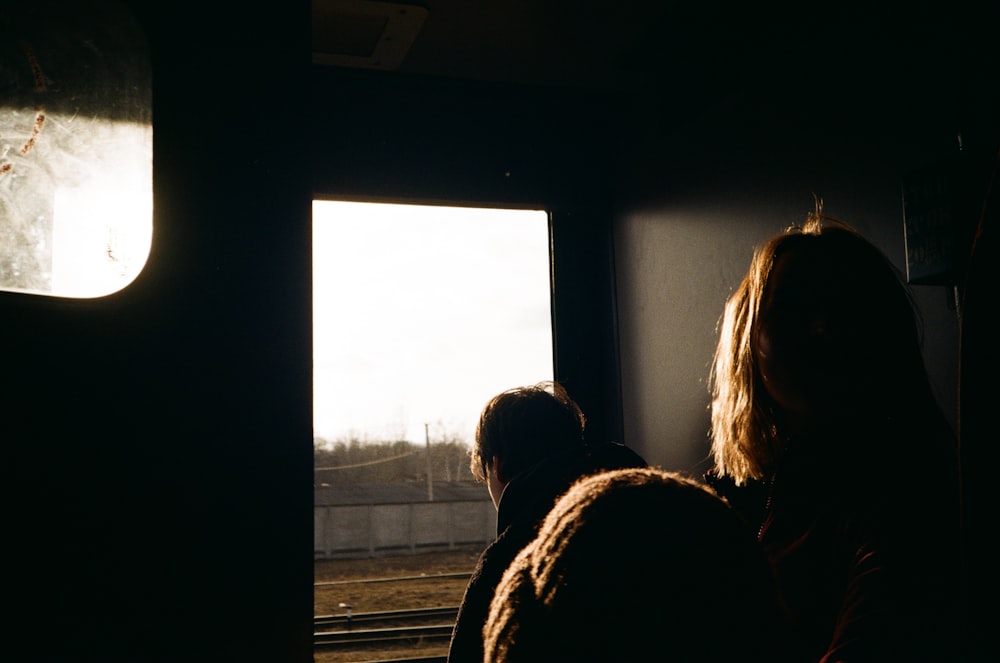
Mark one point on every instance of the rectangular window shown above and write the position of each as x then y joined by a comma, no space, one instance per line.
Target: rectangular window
421,314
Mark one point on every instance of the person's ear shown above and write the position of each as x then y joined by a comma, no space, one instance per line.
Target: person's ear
497,466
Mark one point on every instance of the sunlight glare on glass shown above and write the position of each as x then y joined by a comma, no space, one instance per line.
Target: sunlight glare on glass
74,231
422,313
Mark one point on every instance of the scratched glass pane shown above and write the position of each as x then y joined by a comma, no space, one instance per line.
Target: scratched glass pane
76,147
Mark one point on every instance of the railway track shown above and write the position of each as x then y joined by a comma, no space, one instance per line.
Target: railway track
380,628
389,617
363,581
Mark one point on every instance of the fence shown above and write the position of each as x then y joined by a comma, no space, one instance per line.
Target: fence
369,530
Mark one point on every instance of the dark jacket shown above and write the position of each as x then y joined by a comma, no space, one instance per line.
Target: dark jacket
526,501
865,550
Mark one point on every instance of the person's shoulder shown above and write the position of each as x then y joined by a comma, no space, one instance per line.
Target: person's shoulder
615,456
721,485
498,555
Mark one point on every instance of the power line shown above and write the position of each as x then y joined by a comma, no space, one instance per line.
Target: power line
370,462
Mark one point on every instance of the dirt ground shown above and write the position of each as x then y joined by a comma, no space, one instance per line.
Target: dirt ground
418,581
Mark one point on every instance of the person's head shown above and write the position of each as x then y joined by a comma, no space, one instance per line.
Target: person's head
822,329
522,426
635,561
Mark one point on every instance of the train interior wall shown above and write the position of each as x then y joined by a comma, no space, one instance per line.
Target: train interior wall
158,440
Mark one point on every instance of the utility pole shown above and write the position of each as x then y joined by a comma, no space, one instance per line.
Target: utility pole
430,482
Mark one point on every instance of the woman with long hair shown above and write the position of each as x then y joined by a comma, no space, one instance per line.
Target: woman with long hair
827,437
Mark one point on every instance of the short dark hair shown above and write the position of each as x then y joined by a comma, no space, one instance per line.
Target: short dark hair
523,425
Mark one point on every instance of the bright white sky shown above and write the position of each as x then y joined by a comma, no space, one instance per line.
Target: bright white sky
422,313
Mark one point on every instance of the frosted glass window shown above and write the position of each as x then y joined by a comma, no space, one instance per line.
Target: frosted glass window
76,149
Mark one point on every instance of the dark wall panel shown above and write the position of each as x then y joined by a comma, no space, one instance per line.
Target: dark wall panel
158,441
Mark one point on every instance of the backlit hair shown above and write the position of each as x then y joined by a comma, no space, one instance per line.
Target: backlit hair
745,438
631,561
523,425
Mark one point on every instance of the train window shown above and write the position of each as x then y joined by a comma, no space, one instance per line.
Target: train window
421,313
75,149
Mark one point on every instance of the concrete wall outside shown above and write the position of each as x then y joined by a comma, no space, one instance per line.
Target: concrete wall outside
371,530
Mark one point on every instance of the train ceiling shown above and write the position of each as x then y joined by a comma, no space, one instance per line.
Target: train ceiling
557,42
927,63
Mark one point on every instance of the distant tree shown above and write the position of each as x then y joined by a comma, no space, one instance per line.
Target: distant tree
356,461
451,460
